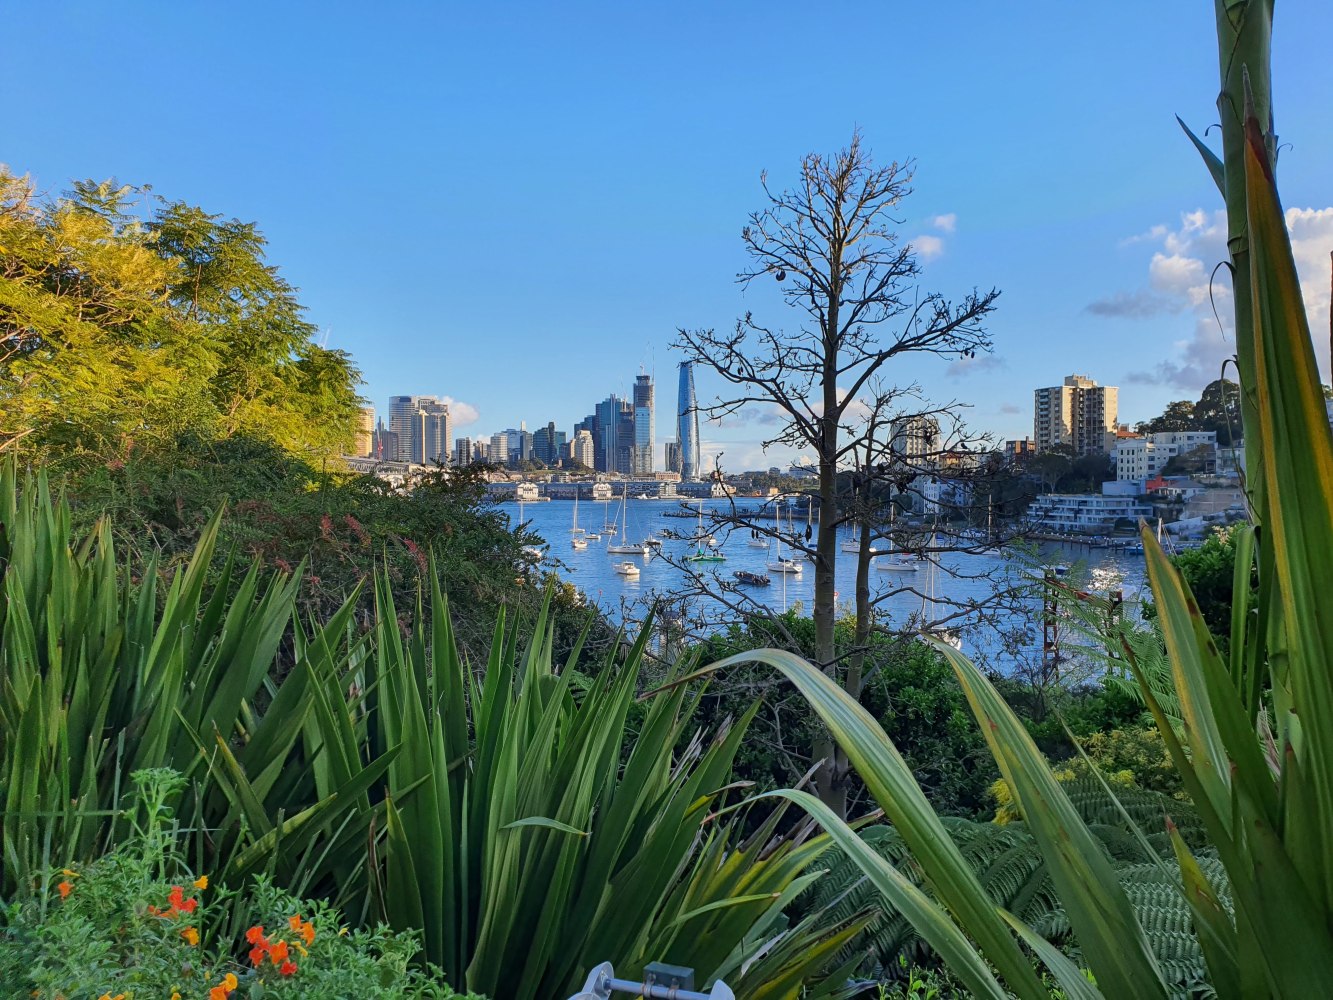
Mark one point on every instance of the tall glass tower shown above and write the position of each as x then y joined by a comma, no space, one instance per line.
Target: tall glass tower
687,423
641,464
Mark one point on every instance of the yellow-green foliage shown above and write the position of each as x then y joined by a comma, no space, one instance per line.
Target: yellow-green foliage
1126,758
126,321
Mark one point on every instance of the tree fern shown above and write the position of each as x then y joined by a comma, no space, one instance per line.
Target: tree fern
1009,865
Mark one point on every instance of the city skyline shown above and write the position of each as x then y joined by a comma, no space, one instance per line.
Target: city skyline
610,132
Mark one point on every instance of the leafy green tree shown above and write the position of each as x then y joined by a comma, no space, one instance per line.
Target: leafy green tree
1178,416
127,321
1218,409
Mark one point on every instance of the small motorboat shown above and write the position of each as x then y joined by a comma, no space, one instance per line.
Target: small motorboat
751,579
579,542
627,569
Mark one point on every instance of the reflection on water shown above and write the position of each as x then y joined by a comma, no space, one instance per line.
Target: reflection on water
1007,630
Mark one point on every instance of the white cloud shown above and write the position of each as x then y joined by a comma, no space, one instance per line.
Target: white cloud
1311,243
460,414
946,223
928,247
1183,275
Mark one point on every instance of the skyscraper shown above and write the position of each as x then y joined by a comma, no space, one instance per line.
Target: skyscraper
615,435
641,462
364,443
687,424
1079,413
421,424
582,449
431,432
402,410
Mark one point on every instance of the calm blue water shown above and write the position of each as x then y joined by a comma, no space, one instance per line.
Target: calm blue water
975,577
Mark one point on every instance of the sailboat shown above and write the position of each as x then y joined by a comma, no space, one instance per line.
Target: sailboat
577,540
854,543
608,525
627,547
756,540
704,553
891,563
532,551
928,606
782,565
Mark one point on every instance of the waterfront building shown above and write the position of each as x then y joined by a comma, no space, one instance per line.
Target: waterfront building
1086,513
687,424
1079,413
641,462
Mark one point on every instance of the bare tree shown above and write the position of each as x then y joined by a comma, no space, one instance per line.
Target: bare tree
830,242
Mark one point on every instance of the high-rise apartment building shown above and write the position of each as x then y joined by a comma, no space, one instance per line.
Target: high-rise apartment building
641,460
363,444
497,451
687,424
915,440
463,450
1080,413
582,449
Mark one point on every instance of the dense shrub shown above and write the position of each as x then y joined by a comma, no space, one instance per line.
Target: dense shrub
136,922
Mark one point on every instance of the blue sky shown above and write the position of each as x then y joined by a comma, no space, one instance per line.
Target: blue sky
516,205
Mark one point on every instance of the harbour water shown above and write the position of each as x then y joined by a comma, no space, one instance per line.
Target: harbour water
963,577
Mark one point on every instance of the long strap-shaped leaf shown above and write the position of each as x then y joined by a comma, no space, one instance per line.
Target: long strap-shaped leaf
894,787
1296,438
1109,935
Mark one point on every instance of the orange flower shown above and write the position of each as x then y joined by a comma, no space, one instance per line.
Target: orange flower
255,935
308,932
230,981
191,936
278,953
288,969
217,993
294,922
201,882
65,888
